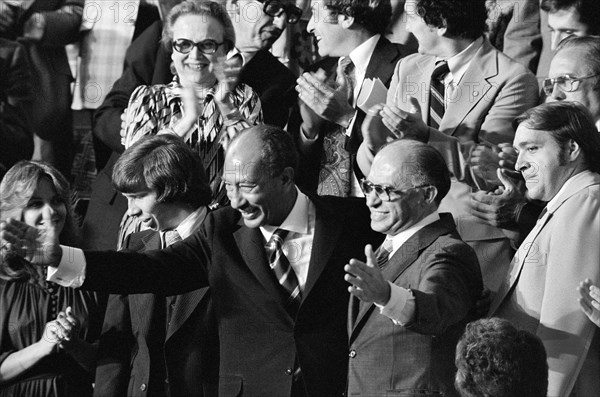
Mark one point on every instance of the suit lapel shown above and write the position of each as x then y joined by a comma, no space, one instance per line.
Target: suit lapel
419,81
383,61
251,244
474,85
328,229
516,265
403,258
184,307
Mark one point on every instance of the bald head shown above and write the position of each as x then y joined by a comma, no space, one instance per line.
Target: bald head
415,163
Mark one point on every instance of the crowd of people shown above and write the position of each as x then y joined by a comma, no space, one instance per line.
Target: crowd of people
253,232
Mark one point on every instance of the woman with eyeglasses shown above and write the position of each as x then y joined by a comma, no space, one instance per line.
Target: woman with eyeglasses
46,331
204,104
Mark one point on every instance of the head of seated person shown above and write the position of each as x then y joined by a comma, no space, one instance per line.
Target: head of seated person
40,196
574,74
163,181
494,359
571,18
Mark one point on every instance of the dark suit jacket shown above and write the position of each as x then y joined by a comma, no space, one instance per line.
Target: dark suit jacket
259,341
382,64
416,359
136,353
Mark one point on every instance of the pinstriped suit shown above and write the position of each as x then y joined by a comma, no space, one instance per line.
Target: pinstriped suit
136,353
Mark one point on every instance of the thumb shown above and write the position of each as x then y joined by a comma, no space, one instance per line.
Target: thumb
507,181
415,106
370,255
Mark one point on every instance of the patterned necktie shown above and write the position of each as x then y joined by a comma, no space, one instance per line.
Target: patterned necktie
436,94
347,70
383,253
283,270
171,237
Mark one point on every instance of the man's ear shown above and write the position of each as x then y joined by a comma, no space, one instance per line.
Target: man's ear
574,150
431,193
345,21
287,176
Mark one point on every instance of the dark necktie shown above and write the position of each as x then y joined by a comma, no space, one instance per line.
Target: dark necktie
283,271
436,94
383,253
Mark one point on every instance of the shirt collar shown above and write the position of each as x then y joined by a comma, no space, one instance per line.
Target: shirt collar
459,63
361,55
399,239
566,188
297,220
234,52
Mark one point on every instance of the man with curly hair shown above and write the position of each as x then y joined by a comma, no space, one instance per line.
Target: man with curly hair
494,359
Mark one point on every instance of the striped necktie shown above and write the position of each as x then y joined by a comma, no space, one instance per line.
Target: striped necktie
383,253
171,237
283,271
436,94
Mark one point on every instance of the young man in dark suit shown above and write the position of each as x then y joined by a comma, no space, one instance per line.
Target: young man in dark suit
274,261
154,345
412,298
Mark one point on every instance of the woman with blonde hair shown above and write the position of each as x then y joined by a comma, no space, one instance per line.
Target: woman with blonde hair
45,330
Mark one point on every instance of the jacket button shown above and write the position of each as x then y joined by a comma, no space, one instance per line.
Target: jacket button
352,354
289,371
143,387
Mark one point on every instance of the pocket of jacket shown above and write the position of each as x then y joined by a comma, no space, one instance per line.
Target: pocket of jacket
230,386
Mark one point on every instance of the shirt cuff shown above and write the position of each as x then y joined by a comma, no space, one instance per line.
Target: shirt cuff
401,306
70,272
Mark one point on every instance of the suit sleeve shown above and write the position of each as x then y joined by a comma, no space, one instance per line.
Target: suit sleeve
522,39
62,25
565,331
449,286
115,349
175,270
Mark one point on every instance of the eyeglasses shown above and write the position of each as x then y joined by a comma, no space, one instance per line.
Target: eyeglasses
566,83
385,193
185,46
274,8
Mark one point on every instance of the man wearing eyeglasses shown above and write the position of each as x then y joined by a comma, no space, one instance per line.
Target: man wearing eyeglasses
413,296
575,74
257,25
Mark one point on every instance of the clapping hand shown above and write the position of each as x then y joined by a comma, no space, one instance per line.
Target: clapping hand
326,100
38,246
368,283
406,124
590,300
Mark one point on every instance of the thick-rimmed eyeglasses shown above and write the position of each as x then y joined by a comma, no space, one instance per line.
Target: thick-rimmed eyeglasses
385,193
185,46
566,83
274,8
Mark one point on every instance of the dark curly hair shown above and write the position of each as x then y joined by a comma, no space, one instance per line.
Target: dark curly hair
373,15
461,18
494,359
